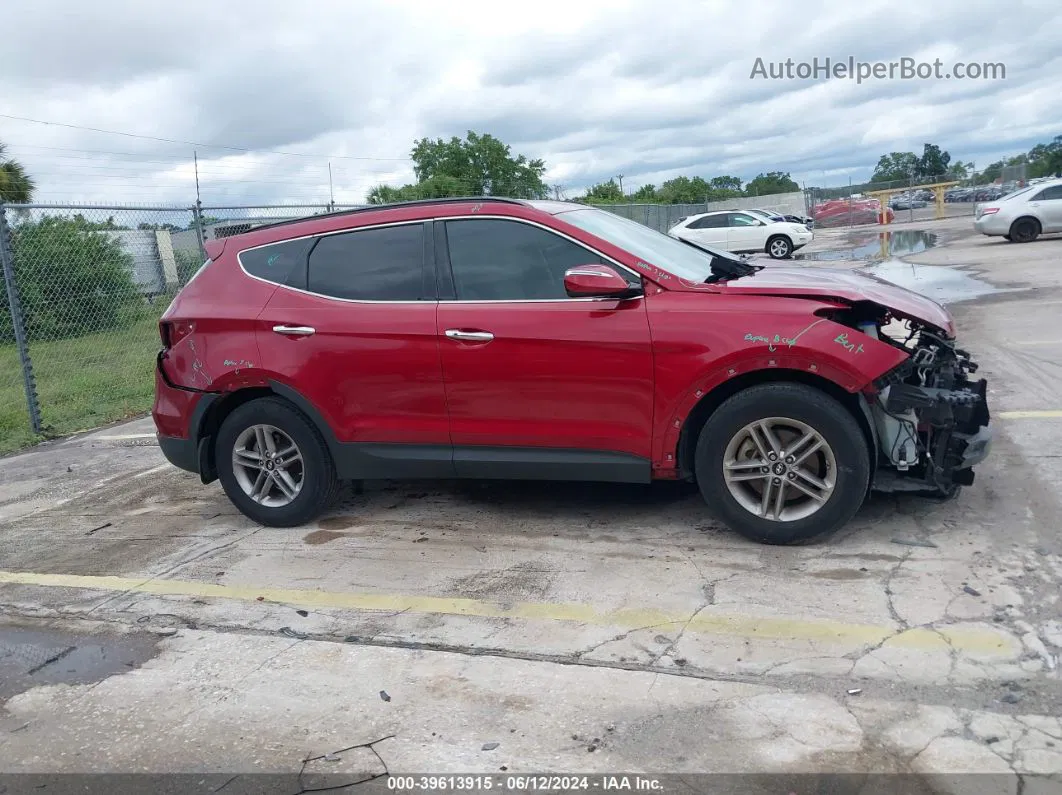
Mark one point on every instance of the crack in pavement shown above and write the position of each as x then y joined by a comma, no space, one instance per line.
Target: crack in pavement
371,777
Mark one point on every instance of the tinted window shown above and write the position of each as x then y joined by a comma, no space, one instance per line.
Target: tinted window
281,263
507,260
1054,192
384,264
740,219
709,222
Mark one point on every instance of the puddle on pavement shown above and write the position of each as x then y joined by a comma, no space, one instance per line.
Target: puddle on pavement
30,657
942,283
878,246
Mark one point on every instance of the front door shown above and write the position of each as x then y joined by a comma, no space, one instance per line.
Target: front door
539,385
745,233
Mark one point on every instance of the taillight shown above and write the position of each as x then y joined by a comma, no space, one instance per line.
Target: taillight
173,331
989,210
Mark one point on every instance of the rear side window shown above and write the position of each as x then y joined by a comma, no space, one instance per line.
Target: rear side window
709,222
382,264
280,263
1048,194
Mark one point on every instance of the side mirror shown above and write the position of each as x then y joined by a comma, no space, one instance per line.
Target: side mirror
598,281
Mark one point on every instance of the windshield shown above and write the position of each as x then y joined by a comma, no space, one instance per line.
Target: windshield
647,244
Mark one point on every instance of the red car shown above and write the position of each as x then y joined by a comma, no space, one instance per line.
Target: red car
496,338
845,212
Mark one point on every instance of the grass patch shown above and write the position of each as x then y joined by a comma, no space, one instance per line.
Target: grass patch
82,383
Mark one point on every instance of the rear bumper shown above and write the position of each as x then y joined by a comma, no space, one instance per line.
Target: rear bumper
182,453
179,415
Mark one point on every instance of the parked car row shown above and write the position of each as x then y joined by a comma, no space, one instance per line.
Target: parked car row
910,201
850,212
979,194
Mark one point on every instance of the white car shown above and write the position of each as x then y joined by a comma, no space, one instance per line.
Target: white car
1024,215
742,232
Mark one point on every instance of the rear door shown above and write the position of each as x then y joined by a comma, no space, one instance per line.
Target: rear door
539,385
354,333
745,232
710,230
1048,203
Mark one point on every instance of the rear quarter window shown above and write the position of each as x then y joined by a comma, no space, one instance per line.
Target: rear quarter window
279,263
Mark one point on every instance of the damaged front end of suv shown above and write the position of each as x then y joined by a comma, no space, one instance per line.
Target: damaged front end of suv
930,416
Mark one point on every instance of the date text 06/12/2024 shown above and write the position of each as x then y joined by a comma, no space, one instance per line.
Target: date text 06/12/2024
525,783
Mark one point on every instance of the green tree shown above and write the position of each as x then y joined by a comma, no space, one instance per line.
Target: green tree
771,182
725,187
684,190
604,193
645,194
895,167
960,170
933,162
73,278
1045,159
477,165
16,186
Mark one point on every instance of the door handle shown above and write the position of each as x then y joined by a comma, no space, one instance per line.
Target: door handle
295,331
469,336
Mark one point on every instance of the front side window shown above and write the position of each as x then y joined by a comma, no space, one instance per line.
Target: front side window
382,264
499,260
740,219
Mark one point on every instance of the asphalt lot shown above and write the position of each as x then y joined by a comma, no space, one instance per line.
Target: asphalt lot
580,627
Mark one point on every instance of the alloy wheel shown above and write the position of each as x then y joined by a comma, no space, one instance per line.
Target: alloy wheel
268,465
780,469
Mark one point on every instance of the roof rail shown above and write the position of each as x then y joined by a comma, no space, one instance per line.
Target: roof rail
391,205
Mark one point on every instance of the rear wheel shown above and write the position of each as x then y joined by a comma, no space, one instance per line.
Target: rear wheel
1024,230
779,247
782,463
273,464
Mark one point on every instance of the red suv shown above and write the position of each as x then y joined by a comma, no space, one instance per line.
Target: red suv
496,338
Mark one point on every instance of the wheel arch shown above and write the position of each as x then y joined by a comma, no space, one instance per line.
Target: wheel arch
224,404
1026,217
855,403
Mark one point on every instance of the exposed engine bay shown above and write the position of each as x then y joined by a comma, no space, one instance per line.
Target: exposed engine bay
930,418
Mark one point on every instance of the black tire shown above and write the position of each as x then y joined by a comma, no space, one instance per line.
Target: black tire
319,483
1006,237
796,402
1024,230
783,252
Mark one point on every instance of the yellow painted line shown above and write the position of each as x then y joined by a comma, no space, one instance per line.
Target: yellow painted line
983,641
1030,415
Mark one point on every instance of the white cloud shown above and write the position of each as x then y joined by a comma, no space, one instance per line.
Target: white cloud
595,88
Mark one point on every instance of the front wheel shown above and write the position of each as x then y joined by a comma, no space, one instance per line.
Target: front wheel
779,247
273,463
782,463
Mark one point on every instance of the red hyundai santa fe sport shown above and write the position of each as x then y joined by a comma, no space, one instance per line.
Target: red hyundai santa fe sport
497,338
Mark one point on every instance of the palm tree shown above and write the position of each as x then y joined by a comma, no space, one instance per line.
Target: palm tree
16,186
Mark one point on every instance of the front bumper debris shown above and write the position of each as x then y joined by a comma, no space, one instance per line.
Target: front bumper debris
932,423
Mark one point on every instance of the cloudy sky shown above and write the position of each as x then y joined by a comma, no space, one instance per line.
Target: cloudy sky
270,92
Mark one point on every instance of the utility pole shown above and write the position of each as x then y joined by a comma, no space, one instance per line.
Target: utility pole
620,178
331,193
195,161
